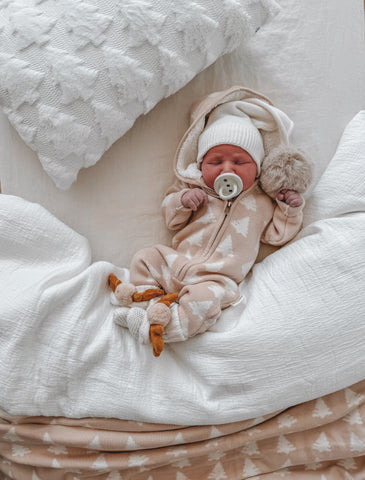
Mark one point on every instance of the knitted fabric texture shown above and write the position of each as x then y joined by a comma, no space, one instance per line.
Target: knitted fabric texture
135,319
233,130
75,75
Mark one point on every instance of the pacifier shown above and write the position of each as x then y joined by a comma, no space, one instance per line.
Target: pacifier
228,185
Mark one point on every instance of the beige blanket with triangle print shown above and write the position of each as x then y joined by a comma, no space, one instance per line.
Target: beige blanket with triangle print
323,439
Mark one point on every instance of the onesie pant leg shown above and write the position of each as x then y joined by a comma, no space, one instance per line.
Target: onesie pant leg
200,305
150,267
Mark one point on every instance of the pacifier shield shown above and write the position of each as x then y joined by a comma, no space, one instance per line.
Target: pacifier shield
228,185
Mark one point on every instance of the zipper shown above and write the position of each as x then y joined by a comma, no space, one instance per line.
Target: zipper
226,212
180,274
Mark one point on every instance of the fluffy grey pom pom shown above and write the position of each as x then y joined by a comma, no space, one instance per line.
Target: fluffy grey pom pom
285,167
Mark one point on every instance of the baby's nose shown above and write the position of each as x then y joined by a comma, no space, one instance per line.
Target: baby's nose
226,168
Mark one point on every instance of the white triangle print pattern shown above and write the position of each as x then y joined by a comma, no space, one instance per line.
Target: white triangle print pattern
114,476
181,476
58,449
353,399
55,463
348,476
357,445
12,436
143,24
217,290
208,216
19,80
241,226
321,410
171,259
127,75
251,448
131,444
225,247
286,464
250,468
175,72
66,135
71,76
216,455
84,23
313,466
111,121
136,460
348,463
200,309
19,450
236,17
30,25
196,239
284,446
195,26
353,418
95,443
286,420
100,463
214,433
47,438
218,473
178,440
250,203
322,444
214,267
184,462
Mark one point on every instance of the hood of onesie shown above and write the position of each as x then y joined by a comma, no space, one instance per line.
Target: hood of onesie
280,159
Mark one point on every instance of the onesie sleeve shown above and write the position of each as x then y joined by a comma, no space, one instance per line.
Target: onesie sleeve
175,214
285,224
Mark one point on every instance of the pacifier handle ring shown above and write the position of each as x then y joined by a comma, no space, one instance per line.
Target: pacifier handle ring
233,194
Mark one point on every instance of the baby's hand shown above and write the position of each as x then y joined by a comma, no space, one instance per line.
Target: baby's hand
290,197
194,198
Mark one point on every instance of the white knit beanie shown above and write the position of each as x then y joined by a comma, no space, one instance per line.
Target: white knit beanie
226,127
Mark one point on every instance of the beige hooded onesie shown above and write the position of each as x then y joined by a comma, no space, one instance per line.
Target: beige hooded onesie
215,247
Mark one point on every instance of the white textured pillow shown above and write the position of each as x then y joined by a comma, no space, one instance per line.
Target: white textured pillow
75,74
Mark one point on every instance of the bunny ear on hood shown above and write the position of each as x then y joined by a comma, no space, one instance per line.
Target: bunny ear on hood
282,166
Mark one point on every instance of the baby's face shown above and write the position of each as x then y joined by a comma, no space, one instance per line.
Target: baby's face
228,159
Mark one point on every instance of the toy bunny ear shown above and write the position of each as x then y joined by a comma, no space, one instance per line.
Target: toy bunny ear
285,167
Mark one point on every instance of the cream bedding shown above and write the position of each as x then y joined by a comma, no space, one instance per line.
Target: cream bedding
298,333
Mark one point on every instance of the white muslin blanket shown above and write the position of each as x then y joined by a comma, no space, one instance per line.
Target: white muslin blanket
298,334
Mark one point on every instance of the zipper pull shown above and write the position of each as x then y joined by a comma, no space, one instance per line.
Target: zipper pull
227,209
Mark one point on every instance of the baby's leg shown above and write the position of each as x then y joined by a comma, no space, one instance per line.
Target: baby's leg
145,273
198,307
201,304
149,267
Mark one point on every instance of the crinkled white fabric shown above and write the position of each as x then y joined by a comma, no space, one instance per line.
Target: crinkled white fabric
75,75
298,334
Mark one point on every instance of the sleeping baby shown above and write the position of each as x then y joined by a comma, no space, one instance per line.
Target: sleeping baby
238,183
